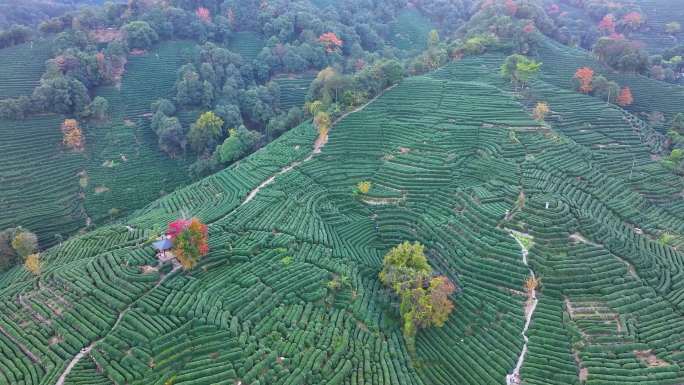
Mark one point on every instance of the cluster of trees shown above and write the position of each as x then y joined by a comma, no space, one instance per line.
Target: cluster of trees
31,12
78,66
669,66
16,34
16,245
424,297
239,110
333,93
190,241
622,54
676,130
510,25
587,82
519,69
609,36
607,18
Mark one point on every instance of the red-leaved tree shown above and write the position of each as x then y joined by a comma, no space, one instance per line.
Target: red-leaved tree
585,76
511,7
190,241
331,41
607,24
625,98
203,14
632,20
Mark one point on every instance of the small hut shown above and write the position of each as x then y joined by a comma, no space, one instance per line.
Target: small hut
162,246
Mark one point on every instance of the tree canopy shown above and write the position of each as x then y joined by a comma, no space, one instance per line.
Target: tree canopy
424,297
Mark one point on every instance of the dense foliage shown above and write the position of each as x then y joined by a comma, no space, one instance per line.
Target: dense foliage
190,241
424,298
16,245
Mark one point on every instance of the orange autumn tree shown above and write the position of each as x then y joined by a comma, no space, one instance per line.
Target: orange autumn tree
190,241
585,76
625,98
633,20
330,41
72,135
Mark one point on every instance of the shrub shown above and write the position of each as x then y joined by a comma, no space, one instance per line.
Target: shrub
364,187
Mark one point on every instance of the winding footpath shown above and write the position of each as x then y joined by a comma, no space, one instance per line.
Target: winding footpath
87,349
530,305
318,146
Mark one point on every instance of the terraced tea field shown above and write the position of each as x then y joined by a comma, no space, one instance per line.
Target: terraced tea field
561,62
126,170
248,44
21,67
293,90
39,183
658,14
54,192
456,163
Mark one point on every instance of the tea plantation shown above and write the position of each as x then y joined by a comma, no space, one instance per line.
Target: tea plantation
293,90
21,67
456,162
55,192
246,43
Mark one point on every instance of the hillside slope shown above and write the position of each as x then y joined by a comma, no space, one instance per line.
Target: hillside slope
456,162
55,192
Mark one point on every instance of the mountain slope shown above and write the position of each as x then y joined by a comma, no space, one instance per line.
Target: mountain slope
456,162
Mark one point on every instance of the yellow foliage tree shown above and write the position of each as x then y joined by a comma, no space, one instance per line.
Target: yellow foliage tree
72,135
364,187
322,122
531,284
33,264
314,107
541,110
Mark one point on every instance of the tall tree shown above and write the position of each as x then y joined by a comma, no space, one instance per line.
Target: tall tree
190,241
25,243
72,135
625,98
540,111
585,76
330,41
424,300
519,68
206,130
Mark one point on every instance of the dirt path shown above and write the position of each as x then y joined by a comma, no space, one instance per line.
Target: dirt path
514,377
577,237
87,349
318,147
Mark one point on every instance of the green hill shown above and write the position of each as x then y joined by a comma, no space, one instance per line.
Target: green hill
21,67
55,192
456,162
